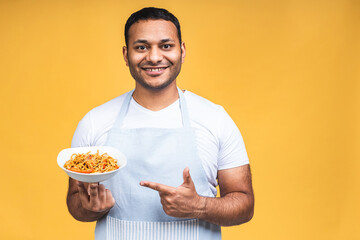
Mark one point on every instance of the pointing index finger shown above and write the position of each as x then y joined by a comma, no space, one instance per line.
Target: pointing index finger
156,186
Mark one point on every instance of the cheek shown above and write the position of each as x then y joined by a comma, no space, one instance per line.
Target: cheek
135,59
174,57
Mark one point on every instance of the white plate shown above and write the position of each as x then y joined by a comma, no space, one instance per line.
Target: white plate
65,155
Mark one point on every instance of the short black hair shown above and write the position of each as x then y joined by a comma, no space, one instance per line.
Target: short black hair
154,14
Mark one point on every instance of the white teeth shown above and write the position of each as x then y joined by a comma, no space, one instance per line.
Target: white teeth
154,69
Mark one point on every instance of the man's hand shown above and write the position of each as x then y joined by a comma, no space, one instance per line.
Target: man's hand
94,197
234,207
88,201
181,201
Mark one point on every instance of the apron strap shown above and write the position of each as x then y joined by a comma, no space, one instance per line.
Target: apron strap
124,109
184,110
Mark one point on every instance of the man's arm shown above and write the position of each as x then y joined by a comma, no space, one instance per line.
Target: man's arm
88,201
235,205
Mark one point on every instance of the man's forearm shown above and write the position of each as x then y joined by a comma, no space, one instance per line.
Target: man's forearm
233,209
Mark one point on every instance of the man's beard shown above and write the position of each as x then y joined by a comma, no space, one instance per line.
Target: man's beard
162,86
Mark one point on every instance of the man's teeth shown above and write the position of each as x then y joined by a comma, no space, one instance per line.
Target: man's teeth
154,69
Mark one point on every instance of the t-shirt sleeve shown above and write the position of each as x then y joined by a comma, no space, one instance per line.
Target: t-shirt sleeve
232,152
83,133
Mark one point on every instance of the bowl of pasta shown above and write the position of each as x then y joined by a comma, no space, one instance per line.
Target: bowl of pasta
91,164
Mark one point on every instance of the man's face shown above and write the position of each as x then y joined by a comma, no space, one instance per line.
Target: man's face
154,54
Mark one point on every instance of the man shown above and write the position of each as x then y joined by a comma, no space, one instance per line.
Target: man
177,145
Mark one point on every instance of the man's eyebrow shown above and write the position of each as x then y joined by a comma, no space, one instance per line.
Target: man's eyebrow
140,41
146,41
166,40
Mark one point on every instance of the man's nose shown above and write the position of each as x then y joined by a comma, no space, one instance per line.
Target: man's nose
154,55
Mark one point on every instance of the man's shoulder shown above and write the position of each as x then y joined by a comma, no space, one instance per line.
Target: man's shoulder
105,114
197,102
110,106
205,113
96,123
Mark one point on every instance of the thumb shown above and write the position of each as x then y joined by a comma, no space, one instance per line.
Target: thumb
187,178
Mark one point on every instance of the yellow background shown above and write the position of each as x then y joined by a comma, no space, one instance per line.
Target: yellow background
286,71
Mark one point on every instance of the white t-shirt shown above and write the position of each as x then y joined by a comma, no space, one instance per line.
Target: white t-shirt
219,142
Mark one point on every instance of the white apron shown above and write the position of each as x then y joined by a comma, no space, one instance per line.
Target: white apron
159,155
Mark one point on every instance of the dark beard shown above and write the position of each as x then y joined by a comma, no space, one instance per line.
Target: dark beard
154,88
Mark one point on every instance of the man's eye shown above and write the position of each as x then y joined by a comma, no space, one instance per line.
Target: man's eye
141,47
166,46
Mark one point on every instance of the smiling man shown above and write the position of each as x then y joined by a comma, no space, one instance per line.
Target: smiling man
154,60
179,147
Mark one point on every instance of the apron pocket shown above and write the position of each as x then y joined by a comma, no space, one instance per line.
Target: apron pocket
175,230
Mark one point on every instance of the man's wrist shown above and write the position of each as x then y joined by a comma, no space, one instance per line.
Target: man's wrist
200,212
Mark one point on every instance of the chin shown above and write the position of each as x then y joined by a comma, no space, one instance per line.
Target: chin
156,86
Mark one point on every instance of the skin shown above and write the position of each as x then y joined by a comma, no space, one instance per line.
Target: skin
88,202
234,207
154,44
154,57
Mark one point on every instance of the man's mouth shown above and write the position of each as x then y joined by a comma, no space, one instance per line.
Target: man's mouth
154,70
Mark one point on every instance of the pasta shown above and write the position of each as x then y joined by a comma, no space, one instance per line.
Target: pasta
91,163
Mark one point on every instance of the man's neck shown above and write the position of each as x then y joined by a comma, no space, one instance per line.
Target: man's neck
156,100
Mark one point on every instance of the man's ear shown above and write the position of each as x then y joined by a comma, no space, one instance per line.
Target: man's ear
125,55
183,52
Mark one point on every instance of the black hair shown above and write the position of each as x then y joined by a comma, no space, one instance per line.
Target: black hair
154,14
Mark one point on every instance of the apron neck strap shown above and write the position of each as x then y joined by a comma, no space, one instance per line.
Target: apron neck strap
125,107
123,111
184,110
